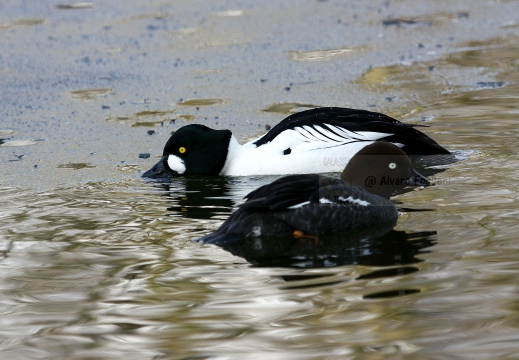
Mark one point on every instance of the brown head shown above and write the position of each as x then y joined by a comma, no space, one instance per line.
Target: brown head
382,168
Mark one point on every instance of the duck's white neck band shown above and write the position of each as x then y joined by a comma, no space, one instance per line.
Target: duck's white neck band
233,150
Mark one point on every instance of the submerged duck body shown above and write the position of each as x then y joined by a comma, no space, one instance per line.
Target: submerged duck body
309,205
317,140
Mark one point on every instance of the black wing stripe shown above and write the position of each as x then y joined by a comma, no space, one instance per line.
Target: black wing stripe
319,130
325,115
329,128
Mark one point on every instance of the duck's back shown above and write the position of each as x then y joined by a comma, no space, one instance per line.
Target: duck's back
357,121
318,204
323,140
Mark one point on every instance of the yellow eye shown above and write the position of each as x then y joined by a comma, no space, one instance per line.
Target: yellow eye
182,150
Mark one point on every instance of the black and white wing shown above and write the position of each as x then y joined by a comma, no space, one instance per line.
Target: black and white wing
343,125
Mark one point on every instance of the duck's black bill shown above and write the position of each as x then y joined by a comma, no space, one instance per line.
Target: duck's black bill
417,179
159,170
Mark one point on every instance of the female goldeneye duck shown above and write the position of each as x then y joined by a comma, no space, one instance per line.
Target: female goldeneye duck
306,206
319,140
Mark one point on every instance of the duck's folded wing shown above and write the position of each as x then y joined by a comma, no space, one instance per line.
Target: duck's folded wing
350,125
292,192
284,192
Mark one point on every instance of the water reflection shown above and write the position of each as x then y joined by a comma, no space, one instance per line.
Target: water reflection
197,197
215,198
381,247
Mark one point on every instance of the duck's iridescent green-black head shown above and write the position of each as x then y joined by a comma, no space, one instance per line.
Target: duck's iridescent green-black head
192,150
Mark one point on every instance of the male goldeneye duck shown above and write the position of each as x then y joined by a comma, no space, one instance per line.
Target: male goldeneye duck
319,140
306,206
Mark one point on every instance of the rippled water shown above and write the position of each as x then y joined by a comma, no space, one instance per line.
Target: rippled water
109,270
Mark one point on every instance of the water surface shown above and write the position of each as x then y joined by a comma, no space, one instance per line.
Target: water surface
99,269
89,270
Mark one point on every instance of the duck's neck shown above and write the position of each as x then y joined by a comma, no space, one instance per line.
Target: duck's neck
232,152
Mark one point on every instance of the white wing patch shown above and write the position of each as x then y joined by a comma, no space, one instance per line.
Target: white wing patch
349,199
354,201
325,201
255,231
299,205
331,133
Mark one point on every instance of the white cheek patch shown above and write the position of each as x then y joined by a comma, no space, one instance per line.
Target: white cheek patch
176,164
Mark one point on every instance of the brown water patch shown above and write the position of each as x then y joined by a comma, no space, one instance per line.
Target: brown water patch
499,55
479,66
186,116
201,102
154,113
146,118
75,6
22,22
321,55
15,143
426,20
89,94
146,123
395,76
76,166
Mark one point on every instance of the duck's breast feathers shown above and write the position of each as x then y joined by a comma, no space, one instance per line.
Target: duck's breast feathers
343,125
295,191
